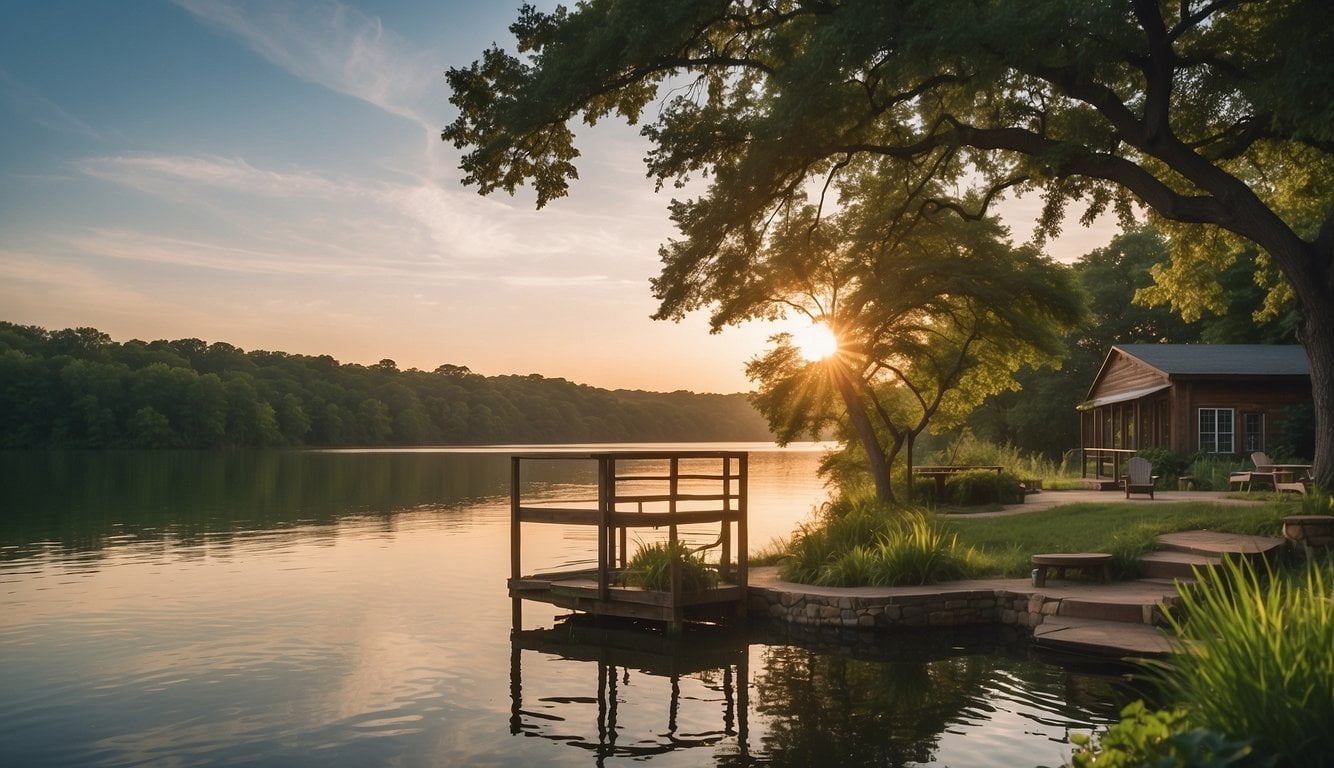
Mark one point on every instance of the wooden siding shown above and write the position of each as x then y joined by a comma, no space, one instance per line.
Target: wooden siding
1123,373
1269,396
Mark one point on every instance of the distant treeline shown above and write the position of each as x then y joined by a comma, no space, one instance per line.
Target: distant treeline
76,388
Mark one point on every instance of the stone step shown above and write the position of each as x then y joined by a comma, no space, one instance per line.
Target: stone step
1104,638
1176,565
1130,613
1214,543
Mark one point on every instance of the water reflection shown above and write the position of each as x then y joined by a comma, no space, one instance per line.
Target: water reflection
654,693
83,501
617,689
349,609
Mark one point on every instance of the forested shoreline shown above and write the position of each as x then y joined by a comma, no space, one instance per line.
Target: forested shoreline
77,388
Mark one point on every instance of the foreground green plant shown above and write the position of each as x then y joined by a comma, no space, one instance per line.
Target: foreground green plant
651,566
1257,660
1149,739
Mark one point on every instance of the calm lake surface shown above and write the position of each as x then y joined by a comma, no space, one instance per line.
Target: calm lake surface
348,608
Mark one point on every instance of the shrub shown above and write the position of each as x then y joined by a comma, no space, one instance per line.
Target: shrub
1162,738
924,491
1167,464
650,568
1256,662
1296,433
982,486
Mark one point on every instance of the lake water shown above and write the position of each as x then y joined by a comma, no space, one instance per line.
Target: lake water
348,608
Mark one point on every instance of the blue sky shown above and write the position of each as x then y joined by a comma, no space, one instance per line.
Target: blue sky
270,174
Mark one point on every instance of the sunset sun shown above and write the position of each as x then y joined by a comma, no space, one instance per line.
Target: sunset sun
816,342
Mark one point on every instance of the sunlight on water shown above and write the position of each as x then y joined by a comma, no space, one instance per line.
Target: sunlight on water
349,608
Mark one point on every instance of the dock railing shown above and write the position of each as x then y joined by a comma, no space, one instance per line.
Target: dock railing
647,489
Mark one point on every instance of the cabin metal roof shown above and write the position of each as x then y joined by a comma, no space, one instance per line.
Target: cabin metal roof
1221,359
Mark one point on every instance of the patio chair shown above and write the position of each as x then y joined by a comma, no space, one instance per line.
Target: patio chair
1261,459
1139,477
1239,481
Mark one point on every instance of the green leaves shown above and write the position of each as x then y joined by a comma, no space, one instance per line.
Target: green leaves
1157,739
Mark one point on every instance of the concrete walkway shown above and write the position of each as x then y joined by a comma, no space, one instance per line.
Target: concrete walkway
1049,499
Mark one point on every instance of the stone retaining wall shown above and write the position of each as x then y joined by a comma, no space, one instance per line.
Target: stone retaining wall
948,609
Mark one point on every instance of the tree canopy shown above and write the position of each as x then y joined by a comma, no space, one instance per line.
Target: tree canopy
929,318
1208,112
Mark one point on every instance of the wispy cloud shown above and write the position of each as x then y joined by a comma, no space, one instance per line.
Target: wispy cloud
330,44
41,110
294,221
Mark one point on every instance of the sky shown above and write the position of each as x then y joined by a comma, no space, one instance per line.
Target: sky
271,174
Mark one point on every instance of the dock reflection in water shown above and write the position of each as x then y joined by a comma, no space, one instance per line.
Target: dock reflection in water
655,693
620,689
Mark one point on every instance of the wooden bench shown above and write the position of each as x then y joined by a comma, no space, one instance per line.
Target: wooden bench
1097,562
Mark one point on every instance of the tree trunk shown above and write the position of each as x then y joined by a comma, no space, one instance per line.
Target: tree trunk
875,453
1309,269
1317,336
907,460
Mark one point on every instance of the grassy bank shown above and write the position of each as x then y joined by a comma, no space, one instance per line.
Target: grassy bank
1001,546
852,540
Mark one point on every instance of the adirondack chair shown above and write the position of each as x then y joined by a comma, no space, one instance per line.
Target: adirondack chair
1264,470
1139,476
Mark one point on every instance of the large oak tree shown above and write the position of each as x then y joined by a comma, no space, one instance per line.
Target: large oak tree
1216,115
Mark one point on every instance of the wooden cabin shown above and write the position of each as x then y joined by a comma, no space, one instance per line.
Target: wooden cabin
1212,398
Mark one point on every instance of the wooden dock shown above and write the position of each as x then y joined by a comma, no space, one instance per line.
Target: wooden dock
641,490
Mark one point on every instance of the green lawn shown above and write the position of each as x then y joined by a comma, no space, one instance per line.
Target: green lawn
1002,545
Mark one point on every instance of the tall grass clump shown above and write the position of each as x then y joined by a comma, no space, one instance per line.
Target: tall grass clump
1318,502
1211,473
864,542
918,551
651,568
1257,658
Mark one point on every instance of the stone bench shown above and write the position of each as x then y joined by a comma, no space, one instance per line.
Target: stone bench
1097,563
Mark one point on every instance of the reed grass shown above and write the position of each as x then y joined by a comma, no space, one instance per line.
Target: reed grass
651,565
1257,658
862,542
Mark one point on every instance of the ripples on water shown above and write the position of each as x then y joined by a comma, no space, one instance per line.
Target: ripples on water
348,608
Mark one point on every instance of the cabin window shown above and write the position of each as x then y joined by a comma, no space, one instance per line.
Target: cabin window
1216,430
1253,431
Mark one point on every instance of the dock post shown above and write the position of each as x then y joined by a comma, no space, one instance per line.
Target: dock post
673,545
742,542
606,465
516,608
